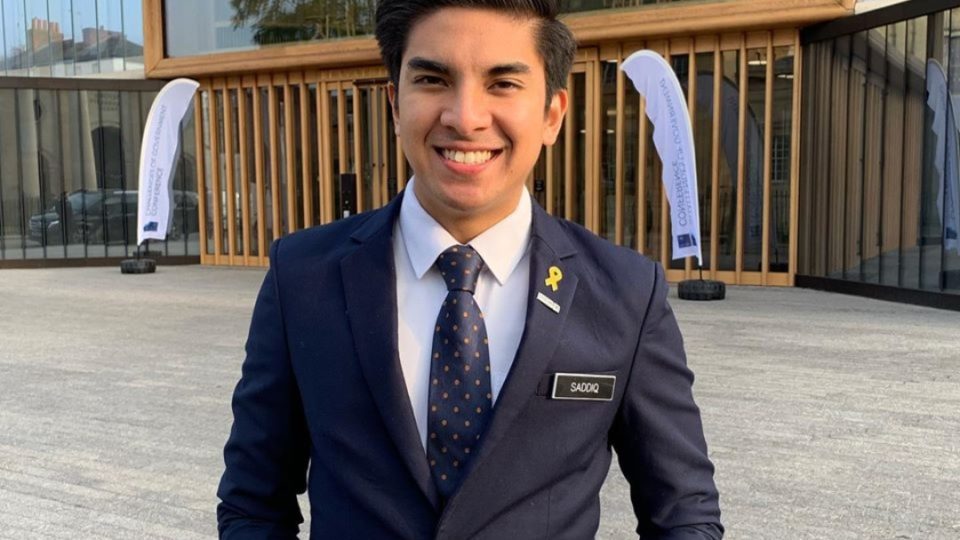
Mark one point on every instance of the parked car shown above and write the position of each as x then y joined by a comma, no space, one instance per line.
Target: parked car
96,216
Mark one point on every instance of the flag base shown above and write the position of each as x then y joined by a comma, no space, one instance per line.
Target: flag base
702,289
138,266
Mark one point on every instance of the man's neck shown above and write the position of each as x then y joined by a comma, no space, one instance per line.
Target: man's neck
465,226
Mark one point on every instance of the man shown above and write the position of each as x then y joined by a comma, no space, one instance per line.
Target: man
459,364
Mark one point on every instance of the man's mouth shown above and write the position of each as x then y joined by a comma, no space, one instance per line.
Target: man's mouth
468,158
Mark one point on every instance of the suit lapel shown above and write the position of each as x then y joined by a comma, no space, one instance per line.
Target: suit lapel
550,249
369,285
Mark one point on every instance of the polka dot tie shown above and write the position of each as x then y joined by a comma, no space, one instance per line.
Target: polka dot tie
460,395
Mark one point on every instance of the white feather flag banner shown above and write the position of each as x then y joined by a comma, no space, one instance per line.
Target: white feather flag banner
653,77
161,137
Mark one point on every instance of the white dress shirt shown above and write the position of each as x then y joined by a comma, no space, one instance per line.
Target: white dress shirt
502,291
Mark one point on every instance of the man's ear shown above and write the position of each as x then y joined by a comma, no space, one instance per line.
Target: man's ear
394,107
556,111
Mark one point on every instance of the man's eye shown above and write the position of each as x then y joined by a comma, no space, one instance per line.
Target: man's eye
506,85
428,80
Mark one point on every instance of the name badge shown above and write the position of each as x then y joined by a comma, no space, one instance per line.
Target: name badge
583,386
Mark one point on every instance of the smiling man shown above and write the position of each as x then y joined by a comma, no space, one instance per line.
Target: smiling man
459,364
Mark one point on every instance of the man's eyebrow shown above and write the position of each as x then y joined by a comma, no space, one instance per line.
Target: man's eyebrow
516,68
423,64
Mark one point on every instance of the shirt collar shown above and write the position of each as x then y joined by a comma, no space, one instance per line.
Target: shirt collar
502,246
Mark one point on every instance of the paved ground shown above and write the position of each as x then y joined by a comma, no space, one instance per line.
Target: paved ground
827,416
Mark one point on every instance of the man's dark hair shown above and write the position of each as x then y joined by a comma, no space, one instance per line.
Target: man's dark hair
555,43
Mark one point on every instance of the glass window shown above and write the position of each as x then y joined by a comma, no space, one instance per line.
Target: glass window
874,42
29,112
631,163
608,156
109,36
729,160
754,141
63,41
9,180
681,67
781,158
951,189
18,57
703,142
913,126
50,163
132,25
38,39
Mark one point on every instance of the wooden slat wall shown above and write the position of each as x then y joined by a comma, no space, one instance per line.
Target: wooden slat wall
353,130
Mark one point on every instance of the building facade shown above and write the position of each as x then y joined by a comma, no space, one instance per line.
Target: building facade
293,124
73,101
824,131
880,211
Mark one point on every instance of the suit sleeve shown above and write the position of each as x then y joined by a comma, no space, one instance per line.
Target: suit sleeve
658,435
266,454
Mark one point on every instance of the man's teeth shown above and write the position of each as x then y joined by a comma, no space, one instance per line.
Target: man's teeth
468,158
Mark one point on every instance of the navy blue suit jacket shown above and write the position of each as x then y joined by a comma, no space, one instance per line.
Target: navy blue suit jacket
322,386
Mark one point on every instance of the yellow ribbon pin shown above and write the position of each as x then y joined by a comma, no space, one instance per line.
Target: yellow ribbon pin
555,276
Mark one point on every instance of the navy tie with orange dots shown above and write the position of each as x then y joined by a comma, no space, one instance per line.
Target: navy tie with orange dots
460,393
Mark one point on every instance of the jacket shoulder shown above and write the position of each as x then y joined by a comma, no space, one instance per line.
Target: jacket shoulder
606,258
322,243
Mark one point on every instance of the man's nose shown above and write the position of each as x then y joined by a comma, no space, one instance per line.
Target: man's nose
467,111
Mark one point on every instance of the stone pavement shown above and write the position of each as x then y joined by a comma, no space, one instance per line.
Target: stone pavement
827,416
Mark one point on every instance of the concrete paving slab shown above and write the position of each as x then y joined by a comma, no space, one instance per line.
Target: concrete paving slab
827,416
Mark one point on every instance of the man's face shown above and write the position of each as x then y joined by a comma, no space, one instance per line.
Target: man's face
471,114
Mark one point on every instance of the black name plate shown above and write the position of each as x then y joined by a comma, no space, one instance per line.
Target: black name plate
583,386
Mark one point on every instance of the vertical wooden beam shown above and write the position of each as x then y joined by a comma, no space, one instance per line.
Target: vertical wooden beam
230,181
242,123
290,157
741,155
384,136
795,160
306,162
199,135
358,148
152,35
593,138
642,176
618,180
217,194
548,206
342,128
274,159
258,174
323,154
767,162
326,125
715,162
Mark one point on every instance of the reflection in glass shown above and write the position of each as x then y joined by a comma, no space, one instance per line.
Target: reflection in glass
631,164
754,141
211,26
874,41
913,127
703,142
577,196
951,197
729,159
608,155
681,67
881,166
781,159
66,38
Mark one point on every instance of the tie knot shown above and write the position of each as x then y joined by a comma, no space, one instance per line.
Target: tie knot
460,267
